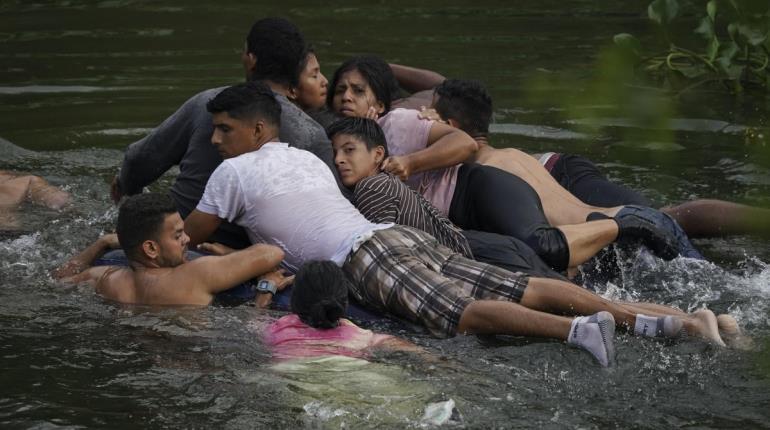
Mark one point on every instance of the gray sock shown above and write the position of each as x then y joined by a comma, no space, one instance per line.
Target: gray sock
595,334
668,326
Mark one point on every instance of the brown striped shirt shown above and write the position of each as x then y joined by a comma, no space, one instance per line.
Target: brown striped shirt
383,198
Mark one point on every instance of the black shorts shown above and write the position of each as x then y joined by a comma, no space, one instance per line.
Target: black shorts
582,178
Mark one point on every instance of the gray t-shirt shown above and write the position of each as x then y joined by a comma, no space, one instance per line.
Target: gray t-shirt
184,139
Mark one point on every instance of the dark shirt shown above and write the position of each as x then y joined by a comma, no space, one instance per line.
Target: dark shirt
383,198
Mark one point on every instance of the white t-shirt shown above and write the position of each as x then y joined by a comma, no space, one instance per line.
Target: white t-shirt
286,197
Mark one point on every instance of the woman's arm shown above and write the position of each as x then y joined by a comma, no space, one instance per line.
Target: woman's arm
413,79
447,146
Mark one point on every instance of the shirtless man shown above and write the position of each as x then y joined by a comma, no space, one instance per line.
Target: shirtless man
152,234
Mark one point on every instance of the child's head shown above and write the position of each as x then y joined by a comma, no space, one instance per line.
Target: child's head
320,294
359,148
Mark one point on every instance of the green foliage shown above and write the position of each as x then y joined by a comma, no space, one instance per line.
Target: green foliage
735,53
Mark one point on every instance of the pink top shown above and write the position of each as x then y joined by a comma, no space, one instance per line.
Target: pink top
289,337
406,133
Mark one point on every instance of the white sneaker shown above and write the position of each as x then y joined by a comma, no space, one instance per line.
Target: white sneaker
595,333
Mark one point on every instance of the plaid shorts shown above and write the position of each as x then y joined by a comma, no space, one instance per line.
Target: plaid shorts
407,273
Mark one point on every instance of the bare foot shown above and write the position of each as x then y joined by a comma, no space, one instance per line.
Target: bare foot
732,334
703,324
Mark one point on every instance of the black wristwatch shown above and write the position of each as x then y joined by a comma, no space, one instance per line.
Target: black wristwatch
265,286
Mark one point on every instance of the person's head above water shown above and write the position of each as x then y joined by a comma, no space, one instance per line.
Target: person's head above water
273,51
245,117
150,230
310,92
362,83
320,294
465,104
359,148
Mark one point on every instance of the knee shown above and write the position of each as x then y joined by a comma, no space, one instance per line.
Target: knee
551,246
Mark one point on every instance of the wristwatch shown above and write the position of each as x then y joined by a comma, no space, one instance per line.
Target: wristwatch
265,286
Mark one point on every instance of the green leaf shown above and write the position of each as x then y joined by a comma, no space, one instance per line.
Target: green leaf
732,30
663,11
711,9
753,35
712,49
727,52
628,43
706,28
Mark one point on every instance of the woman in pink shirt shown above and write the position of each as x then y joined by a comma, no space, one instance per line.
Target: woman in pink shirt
317,327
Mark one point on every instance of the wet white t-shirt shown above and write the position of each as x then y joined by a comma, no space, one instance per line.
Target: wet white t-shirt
289,198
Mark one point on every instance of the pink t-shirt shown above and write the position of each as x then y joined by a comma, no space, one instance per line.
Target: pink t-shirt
406,133
289,337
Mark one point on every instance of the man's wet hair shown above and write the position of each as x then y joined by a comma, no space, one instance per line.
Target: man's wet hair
320,294
377,74
246,101
466,102
364,129
141,218
279,47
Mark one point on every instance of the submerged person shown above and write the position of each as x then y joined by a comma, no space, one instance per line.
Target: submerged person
273,51
426,155
317,326
396,269
360,148
151,232
18,188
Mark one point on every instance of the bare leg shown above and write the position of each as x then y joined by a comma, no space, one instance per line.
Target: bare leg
501,317
550,295
586,239
559,205
710,218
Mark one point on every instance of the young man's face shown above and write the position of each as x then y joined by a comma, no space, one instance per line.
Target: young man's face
233,136
172,241
354,160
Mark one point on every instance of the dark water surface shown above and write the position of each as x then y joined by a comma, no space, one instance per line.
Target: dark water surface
79,80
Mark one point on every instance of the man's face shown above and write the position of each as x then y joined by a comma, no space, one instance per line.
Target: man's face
172,242
233,136
248,60
354,160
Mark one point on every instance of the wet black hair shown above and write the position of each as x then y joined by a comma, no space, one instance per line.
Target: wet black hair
141,218
376,72
246,101
279,47
466,102
320,294
364,129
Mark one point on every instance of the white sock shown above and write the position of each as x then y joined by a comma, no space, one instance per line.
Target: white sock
668,326
595,334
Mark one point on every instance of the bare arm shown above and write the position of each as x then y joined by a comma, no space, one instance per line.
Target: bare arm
447,146
218,273
200,226
413,79
81,263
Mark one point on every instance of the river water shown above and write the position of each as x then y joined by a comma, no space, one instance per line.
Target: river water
79,80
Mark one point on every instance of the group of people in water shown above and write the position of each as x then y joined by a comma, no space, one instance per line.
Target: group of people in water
409,212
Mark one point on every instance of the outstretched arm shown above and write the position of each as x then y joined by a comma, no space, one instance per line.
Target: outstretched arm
76,269
447,146
218,273
413,79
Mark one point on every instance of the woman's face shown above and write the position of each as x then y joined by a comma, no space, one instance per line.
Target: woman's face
311,91
354,97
